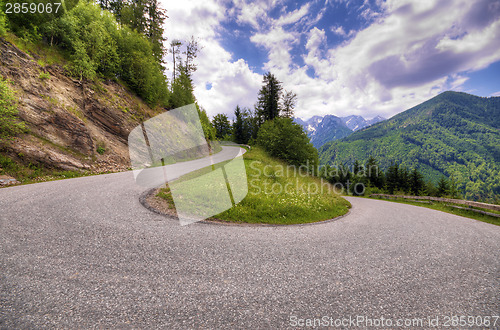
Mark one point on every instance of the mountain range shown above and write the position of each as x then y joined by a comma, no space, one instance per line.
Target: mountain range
453,134
328,128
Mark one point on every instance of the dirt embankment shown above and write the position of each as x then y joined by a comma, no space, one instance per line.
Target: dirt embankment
73,125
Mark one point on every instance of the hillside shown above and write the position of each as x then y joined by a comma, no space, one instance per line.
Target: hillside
74,82
73,125
451,134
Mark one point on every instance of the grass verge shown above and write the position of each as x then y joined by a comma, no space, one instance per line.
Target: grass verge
45,54
33,173
277,194
464,212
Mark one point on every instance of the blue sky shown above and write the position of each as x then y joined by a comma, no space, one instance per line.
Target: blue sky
341,57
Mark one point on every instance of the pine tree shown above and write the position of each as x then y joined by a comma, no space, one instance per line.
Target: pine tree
239,126
192,49
443,187
404,179
417,183
288,104
453,187
221,125
373,173
268,104
175,51
357,168
430,188
156,18
392,178
182,90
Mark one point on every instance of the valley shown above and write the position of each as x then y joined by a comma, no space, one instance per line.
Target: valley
452,135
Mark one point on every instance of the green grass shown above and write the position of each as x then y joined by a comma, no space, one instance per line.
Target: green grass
76,112
44,76
101,148
45,54
33,173
10,124
448,209
267,201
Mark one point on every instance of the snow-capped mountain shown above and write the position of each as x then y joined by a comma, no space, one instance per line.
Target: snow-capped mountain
375,120
324,129
329,128
355,122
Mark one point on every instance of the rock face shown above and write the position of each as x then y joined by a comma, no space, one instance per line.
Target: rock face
6,180
68,119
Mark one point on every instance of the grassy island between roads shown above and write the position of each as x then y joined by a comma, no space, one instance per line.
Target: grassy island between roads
278,194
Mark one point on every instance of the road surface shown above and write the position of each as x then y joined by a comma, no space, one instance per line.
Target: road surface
84,253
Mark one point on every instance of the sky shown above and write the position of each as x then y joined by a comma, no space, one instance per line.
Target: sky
341,57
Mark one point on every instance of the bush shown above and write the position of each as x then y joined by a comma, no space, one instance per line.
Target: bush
3,21
101,148
9,121
44,76
99,47
286,140
206,125
139,68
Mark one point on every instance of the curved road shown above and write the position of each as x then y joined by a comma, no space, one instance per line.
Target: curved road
84,253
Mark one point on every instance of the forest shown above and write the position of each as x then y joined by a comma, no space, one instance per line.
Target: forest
368,178
117,40
269,125
455,135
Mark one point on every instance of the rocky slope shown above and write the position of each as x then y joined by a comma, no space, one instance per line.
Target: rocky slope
73,125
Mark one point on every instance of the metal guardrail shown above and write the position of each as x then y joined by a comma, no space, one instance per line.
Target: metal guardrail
494,207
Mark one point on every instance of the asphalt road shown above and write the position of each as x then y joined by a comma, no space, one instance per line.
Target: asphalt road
84,253
155,176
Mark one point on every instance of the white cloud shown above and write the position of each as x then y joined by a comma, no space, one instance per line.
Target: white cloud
339,30
293,16
252,13
233,82
410,52
316,38
278,43
413,51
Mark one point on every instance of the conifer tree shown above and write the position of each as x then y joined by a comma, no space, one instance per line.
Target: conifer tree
443,187
417,183
268,104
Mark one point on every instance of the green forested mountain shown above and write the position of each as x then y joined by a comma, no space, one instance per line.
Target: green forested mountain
451,134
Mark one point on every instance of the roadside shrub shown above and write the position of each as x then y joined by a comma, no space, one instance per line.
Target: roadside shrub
286,140
99,47
206,125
